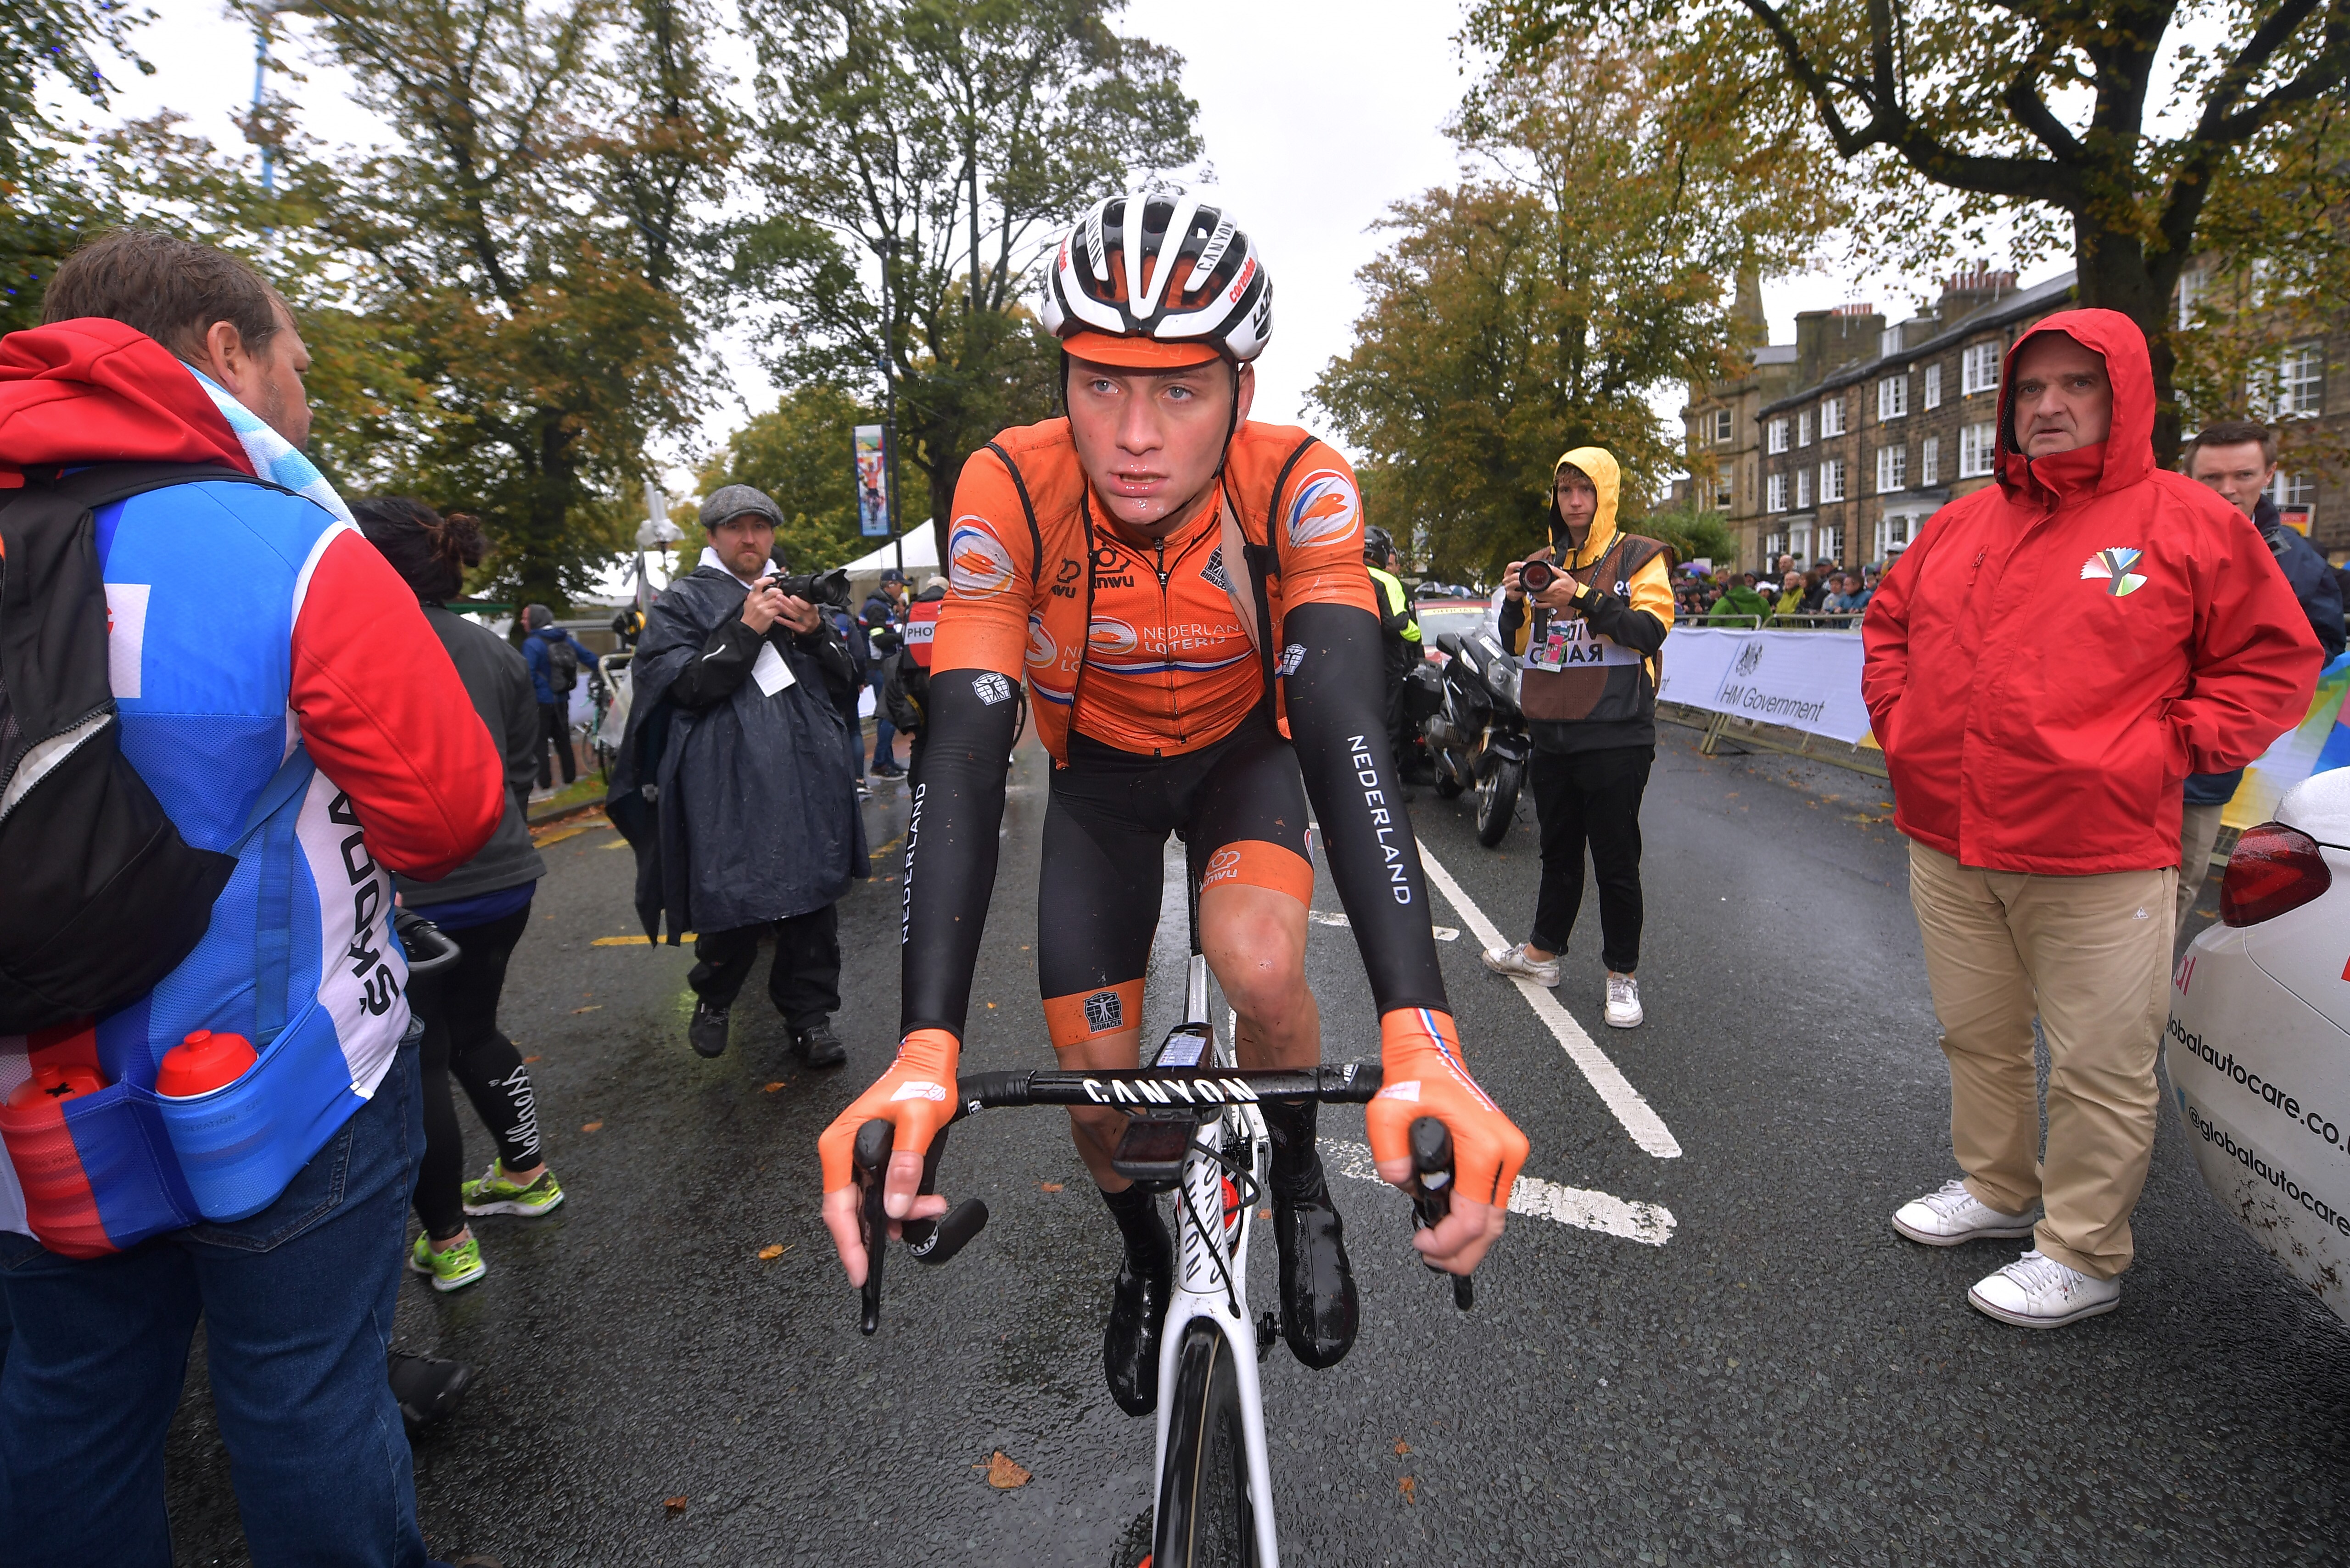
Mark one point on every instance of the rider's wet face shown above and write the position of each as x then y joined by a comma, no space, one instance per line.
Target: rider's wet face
1152,441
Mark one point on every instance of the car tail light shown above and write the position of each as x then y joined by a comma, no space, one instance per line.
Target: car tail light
2273,868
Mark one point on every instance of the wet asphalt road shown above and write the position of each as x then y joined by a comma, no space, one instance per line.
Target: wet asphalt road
1783,1380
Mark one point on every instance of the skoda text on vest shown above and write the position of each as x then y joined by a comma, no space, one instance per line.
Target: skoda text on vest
1375,801
380,988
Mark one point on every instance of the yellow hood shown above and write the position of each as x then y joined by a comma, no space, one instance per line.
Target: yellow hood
1599,464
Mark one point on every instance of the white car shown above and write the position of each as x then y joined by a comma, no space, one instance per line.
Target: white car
2259,1037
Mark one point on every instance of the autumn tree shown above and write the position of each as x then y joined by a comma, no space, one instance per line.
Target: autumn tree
46,202
1584,261
538,238
2107,126
799,453
910,158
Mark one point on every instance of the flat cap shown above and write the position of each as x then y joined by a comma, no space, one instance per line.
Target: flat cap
732,501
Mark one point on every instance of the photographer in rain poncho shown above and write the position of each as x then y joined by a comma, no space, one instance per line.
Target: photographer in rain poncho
735,780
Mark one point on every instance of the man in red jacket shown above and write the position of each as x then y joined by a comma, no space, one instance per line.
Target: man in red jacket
2044,666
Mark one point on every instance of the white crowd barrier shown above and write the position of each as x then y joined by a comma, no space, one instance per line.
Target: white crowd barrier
1801,680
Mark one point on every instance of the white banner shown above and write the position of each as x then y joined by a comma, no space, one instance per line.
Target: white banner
1802,679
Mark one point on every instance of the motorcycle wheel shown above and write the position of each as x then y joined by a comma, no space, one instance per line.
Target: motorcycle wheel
1497,801
1446,786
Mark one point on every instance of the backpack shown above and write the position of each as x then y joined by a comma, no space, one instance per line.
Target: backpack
562,664
104,896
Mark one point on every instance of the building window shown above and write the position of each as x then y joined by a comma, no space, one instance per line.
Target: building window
1775,494
1778,436
2292,490
1832,480
1832,417
1892,537
2301,380
1888,342
1893,396
1721,494
1774,546
1804,428
1976,446
1803,489
1929,460
1831,546
1892,469
1978,369
1933,386
2190,295
1721,424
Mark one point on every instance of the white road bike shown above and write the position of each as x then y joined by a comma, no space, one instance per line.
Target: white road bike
1195,1130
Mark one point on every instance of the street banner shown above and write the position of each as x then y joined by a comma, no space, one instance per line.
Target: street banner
2319,743
1802,680
872,483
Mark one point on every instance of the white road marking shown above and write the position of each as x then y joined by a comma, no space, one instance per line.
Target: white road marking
1336,918
1650,1225
1614,1091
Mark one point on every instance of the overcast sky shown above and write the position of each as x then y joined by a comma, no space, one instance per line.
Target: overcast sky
1316,116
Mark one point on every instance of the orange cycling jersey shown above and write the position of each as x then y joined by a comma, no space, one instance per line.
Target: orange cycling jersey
1144,647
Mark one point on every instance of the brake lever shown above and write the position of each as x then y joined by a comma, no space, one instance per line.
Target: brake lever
1431,1193
870,1161
933,1241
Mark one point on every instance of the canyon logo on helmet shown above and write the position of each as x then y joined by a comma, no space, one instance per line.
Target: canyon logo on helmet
1171,276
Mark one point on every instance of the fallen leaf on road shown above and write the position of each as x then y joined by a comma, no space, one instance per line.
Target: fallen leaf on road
597,1007
1004,1474
1402,1447
774,1086
591,1127
771,1251
1048,1187
1409,1490
674,1504
530,1058
1264,1213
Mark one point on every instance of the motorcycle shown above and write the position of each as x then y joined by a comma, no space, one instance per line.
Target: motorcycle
1469,718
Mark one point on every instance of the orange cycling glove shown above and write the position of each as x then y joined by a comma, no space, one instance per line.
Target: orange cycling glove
1420,1049
917,1096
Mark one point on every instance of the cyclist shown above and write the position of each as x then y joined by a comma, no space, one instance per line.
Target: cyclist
1186,593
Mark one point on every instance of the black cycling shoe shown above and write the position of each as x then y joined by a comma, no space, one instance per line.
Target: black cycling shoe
1320,1312
818,1046
1137,1311
707,1030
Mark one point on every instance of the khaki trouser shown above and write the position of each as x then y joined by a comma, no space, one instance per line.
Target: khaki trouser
2091,955
2198,830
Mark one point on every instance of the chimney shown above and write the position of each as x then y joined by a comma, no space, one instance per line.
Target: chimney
1965,293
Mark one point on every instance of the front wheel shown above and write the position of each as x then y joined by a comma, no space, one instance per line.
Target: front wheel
1497,800
1205,1520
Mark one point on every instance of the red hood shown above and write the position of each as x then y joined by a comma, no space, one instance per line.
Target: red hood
95,390
2126,455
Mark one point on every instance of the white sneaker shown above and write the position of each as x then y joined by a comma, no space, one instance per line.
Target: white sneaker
1512,959
1953,1215
1623,1002
2034,1292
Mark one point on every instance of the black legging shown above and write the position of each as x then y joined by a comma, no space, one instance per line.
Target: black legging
460,1037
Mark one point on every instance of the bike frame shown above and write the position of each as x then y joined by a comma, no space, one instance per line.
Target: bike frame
1213,1291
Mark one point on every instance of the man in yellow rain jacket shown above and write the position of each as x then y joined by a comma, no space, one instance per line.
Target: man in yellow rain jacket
1589,641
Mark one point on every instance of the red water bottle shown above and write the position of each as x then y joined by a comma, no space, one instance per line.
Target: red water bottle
54,1083
202,1062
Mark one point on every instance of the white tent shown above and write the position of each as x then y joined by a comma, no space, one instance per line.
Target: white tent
922,545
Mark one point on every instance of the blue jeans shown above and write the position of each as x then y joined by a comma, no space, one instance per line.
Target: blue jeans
297,1303
884,737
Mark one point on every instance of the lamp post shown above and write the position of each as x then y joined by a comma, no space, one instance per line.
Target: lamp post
889,396
263,11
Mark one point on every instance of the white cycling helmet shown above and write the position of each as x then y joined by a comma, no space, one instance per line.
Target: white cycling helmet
1157,280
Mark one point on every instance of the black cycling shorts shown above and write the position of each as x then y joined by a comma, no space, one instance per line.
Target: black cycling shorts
1240,804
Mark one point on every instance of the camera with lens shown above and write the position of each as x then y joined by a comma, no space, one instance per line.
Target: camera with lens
1537,576
817,588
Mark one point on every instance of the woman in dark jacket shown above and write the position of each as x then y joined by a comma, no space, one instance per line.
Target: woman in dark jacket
483,906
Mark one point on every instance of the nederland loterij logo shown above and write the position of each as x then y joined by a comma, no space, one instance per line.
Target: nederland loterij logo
2114,567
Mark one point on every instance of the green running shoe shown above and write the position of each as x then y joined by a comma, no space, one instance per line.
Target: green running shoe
492,1193
450,1270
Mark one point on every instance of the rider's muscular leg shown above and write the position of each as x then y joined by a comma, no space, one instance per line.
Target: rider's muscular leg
1254,940
1096,1129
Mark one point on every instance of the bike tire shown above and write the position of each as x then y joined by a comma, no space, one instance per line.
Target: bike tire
1205,1519
1497,801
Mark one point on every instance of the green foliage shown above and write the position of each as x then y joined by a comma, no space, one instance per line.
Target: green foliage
1535,305
2105,127
1695,533
911,156
800,454
46,201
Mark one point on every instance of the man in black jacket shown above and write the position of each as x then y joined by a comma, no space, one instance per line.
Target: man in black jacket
2237,459
884,608
750,822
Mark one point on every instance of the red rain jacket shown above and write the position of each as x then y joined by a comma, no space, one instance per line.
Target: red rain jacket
2059,650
